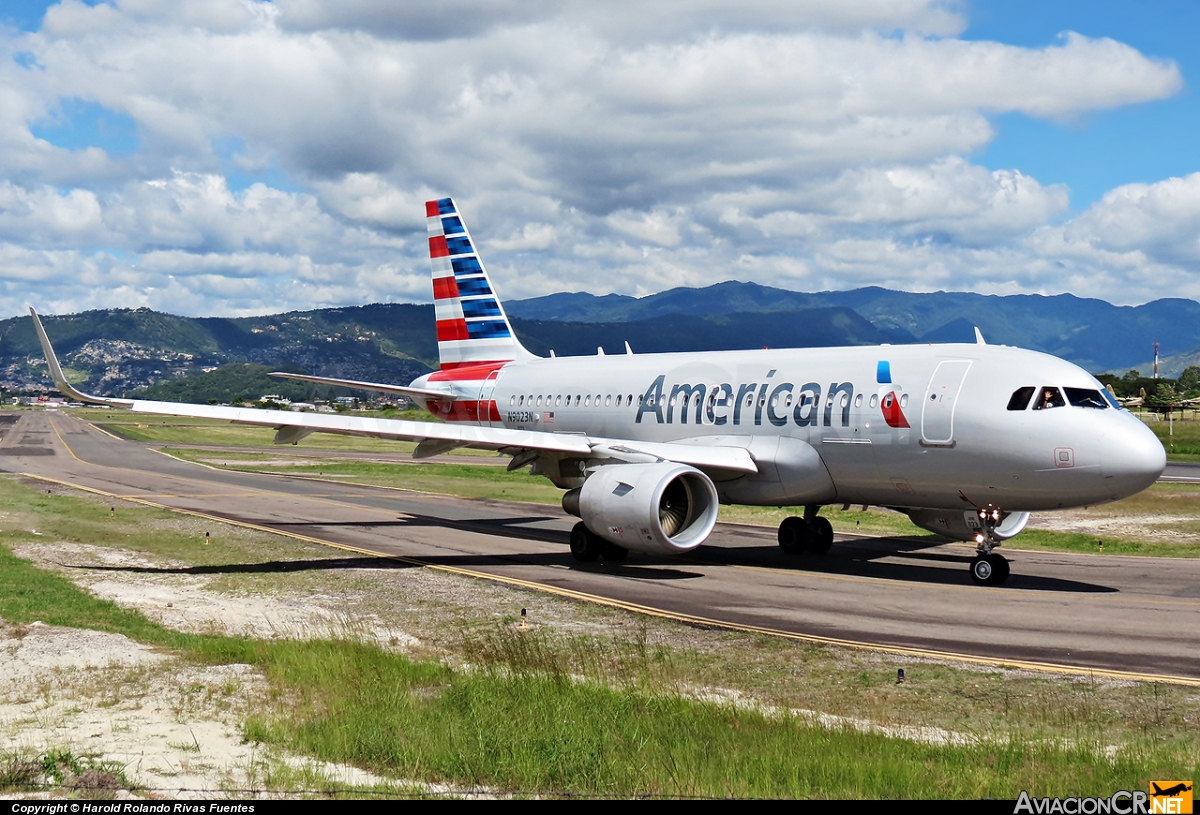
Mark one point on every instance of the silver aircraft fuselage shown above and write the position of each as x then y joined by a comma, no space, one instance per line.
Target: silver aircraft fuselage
906,426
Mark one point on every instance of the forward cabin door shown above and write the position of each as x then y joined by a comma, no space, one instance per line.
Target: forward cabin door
941,397
484,410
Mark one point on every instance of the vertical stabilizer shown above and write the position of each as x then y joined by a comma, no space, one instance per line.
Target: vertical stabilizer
472,328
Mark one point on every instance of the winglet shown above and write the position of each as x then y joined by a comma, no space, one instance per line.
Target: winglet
56,372
979,337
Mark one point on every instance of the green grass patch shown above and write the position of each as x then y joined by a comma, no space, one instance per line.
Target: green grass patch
534,731
1180,438
463,480
63,773
1050,541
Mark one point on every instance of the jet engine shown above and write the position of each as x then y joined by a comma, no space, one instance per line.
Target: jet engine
964,526
654,508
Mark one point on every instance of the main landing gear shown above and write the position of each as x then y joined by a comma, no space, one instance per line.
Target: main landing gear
988,568
587,546
812,533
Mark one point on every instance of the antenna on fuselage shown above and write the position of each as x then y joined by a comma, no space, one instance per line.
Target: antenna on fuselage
628,350
979,337
599,350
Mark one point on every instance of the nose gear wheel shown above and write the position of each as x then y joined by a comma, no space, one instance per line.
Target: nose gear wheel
989,568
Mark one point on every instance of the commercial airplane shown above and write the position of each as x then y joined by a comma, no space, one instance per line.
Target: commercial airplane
1182,786
967,439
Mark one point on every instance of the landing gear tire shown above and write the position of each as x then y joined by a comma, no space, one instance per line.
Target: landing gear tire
823,536
795,535
989,570
611,553
586,546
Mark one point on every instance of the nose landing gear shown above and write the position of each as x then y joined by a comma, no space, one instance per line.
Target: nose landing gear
988,568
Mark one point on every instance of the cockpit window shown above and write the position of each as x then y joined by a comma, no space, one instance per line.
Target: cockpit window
1020,398
1085,398
1049,398
1112,400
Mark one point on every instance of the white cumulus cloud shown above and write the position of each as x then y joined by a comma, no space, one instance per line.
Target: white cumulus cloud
284,151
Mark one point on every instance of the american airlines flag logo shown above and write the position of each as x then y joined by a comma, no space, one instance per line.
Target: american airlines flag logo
548,417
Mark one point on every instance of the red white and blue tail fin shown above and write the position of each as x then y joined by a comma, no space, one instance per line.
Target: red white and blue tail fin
472,328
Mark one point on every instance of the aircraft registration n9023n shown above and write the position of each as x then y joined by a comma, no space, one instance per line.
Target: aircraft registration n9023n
967,439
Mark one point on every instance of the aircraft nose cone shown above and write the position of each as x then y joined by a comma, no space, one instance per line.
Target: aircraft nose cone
1131,459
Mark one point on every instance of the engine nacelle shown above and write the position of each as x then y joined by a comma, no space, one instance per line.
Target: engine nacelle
654,508
964,526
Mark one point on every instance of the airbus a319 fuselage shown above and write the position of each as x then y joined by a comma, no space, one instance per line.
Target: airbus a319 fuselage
919,426
967,439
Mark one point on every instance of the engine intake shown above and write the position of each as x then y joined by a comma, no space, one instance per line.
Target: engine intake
654,508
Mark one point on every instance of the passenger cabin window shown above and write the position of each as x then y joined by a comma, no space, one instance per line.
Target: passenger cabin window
1049,398
1085,398
1020,398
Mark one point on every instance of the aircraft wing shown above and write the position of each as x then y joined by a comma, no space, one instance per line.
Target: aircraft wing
432,437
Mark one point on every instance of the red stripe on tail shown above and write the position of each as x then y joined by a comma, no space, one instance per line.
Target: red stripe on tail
452,330
444,287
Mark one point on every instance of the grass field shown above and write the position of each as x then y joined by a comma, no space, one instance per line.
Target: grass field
1180,438
570,709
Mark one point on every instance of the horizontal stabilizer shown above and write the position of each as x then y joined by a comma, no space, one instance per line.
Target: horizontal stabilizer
414,393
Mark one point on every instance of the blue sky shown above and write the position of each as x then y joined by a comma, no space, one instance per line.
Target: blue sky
1091,153
242,156
1100,150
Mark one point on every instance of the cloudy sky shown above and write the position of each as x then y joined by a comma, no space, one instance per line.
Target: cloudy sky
244,157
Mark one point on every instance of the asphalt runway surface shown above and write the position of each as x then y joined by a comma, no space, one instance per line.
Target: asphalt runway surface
1180,473
1097,614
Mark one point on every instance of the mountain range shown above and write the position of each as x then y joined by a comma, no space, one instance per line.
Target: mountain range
1094,334
157,355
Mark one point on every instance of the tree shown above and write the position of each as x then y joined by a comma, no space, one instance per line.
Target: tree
1189,380
1164,399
